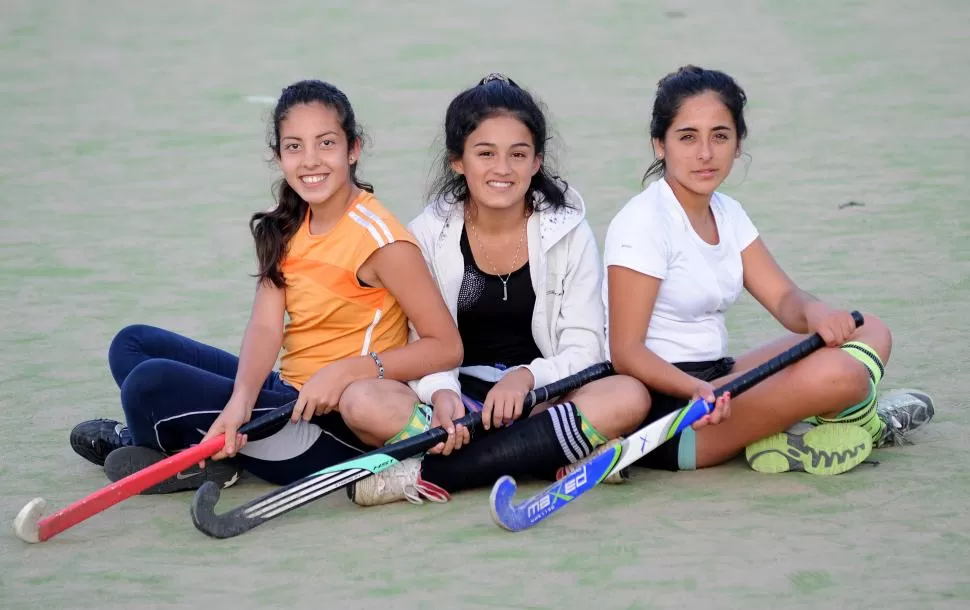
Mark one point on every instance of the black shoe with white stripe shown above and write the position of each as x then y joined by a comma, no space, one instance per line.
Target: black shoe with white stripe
96,438
129,460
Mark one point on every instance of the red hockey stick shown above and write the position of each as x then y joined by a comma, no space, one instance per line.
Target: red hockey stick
31,528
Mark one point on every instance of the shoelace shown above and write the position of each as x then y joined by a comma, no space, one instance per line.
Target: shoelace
412,494
422,490
894,432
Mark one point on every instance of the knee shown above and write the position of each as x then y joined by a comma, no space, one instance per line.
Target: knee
146,381
127,336
634,400
124,343
849,378
622,401
877,335
358,402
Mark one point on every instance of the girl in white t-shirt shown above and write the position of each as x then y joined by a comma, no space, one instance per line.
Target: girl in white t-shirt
677,257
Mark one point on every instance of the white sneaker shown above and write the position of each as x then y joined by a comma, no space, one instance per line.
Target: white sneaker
399,482
616,477
904,410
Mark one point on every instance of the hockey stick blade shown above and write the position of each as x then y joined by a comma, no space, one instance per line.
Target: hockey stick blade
30,527
517,517
328,480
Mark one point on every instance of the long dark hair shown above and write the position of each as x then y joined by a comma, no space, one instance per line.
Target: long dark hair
273,229
495,95
685,83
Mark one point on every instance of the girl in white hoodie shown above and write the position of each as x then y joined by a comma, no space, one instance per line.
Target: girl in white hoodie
518,266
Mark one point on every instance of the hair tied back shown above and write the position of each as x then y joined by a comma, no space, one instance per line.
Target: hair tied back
496,76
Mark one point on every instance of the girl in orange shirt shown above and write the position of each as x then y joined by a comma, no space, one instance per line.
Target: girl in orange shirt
349,278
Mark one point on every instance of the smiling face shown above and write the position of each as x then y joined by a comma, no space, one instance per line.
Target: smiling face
498,162
315,155
700,146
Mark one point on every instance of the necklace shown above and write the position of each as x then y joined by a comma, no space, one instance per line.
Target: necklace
515,259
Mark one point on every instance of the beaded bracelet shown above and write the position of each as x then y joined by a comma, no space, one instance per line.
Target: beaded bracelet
380,365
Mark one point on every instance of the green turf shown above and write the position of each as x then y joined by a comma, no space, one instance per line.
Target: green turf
132,161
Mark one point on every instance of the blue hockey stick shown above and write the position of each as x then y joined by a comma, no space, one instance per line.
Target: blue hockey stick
517,517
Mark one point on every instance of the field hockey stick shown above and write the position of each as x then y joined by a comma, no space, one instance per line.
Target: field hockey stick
517,517
30,527
328,480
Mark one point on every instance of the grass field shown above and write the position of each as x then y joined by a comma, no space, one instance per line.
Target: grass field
133,152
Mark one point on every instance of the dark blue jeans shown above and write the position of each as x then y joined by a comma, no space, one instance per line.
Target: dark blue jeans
173,388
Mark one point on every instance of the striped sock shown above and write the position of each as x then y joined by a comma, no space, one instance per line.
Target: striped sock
535,446
568,422
418,423
863,414
867,356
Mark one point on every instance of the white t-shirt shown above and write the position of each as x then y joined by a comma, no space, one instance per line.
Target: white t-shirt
651,234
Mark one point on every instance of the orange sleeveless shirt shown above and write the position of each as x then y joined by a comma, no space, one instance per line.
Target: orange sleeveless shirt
331,315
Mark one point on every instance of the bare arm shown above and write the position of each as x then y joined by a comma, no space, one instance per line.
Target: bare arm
260,348
401,269
794,308
632,296
261,343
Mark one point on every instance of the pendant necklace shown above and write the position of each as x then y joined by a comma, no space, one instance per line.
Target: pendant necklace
515,259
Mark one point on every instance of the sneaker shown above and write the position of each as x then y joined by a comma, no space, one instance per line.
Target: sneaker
401,481
827,449
617,477
903,410
96,438
129,460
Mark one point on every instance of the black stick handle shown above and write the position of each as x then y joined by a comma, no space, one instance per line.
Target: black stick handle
473,421
563,386
797,352
278,416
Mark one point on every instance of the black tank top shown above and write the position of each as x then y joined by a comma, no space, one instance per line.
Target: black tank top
495,331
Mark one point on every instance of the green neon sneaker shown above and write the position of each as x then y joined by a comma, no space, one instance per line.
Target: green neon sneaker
824,450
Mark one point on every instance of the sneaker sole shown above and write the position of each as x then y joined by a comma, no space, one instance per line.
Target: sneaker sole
825,450
129,460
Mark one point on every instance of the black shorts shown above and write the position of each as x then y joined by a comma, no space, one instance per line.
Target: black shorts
663,404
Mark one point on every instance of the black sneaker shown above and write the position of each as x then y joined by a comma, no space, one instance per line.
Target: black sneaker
96,438
129,460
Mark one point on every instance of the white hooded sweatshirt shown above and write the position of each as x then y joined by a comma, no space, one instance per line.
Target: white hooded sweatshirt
568,322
